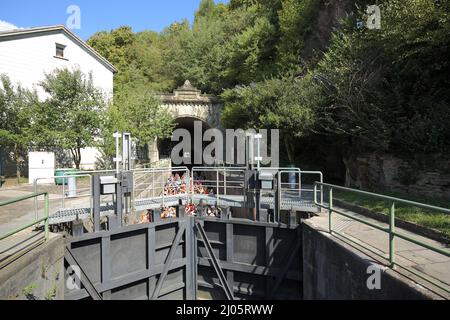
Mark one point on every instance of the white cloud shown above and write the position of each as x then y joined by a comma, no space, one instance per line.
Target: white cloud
4,26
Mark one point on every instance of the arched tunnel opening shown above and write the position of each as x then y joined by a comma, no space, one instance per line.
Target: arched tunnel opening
165,146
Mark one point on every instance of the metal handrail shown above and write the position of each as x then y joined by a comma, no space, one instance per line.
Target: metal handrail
158,185
37,221
63,176
391,224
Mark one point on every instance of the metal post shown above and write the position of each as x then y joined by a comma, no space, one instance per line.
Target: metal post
217,187
330,208
46,199
258,158
96,202
119,202
116,135
315,193
36,209
163,188
63,190
321,190
278,197
392,235
126,151
191,264
224,181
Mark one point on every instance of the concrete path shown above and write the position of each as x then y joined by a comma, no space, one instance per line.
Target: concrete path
430,264
18,214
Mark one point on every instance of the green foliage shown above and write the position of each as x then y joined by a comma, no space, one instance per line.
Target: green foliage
139,112
295,20
389,89
14,113
285,103
28,291
137,56
70,117
16,105
371,90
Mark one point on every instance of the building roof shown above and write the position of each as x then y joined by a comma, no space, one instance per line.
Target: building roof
31,32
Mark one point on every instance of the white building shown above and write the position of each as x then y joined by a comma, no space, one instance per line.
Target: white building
27,54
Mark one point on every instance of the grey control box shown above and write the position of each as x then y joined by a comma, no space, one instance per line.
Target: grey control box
108,185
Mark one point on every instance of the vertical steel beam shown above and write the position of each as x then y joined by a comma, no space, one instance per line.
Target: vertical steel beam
119,201
230,255
96,201
191,257
151,262
330,209
106,264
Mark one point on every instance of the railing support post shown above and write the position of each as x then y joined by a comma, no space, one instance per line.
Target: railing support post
315,193
46,203
217,187
330,208
392,235
224,181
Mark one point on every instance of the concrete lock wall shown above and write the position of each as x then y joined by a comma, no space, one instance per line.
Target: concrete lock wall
37,275
260,260
334,270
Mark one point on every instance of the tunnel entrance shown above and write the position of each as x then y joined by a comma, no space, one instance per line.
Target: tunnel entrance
165,146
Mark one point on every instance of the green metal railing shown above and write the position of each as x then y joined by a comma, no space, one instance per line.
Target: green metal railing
390,229
35,222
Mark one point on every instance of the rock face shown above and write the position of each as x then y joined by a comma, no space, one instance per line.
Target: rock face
427,175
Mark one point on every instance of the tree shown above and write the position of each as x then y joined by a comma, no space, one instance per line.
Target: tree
139,112
295,20
284,103
70,118
16,105
388,89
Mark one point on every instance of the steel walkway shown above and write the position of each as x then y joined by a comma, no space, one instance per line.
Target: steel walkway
289,202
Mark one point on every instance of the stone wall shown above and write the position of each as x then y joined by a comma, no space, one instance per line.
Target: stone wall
37,275
424,175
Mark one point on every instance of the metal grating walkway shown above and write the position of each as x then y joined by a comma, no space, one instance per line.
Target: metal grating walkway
287,203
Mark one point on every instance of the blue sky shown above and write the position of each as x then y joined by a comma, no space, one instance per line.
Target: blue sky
97,15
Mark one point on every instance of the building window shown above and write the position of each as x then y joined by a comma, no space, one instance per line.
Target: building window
60,50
